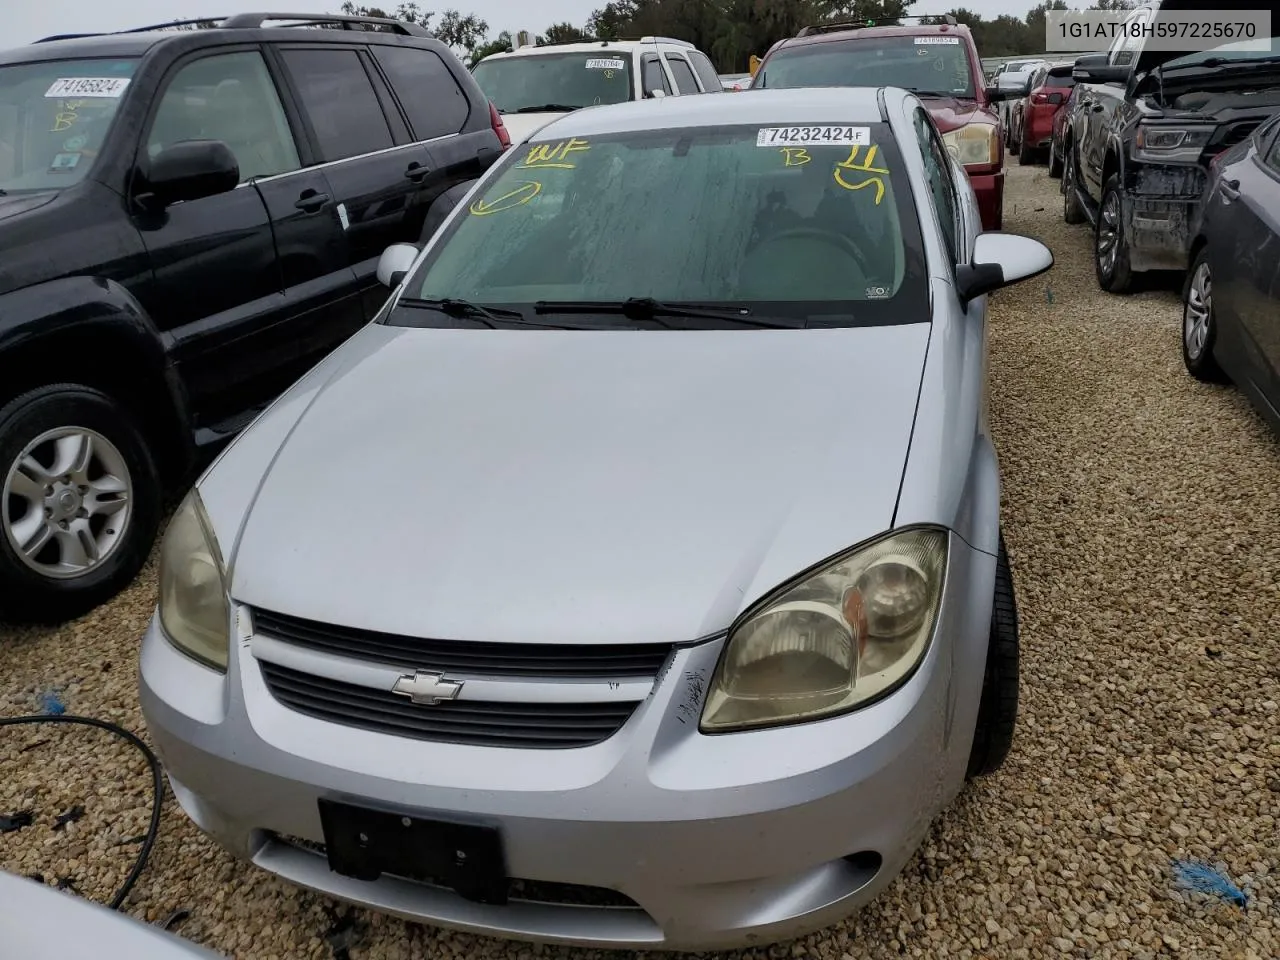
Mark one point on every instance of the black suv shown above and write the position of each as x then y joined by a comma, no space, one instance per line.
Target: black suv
1144,125
190,219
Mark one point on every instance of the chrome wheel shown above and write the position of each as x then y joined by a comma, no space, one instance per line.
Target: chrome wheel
1197,311
1109,232
66,502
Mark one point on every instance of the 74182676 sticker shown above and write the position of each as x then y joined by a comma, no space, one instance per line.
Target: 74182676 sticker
842,136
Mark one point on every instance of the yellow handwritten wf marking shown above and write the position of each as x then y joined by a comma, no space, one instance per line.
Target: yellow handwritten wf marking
795,156
521,195
865,165
553,154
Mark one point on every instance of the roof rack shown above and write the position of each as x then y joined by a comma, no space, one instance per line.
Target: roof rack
253,21
817,28
167,25
671,40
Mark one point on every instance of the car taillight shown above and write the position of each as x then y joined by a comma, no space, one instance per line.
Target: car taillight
1039,97
499,127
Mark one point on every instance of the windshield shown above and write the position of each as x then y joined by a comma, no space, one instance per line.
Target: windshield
929,64
556,80
805,223
1228,52
54,116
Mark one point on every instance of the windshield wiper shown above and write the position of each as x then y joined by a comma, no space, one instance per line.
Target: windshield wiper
489,316
931,93
547,108
1223,62
647,308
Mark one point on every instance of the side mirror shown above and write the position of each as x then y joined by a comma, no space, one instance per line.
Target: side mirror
657,94
1093,68
189,170
395,262
1000,260
998,93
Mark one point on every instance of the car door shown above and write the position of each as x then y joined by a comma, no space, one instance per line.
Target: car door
1108,101
381,179
682,74
1255,192
226,290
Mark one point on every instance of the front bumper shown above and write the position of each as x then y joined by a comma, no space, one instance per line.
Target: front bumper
717,841
989,190
1160,205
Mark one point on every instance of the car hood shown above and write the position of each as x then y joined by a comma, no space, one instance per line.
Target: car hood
521,126
572,487
13,205
1149,59
950,113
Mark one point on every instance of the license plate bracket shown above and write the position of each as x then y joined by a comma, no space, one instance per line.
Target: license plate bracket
467,858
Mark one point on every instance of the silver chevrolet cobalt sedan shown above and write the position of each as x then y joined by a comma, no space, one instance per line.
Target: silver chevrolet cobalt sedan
635,579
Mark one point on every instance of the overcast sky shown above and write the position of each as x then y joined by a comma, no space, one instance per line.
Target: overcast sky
27,20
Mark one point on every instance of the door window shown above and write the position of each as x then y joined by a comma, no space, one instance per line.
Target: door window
683,73
228,97
938,171
654,77
340,102
1127,48
426,89
706,72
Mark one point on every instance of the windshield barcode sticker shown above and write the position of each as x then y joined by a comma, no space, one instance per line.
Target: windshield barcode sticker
111,88
606,64
950,41
815,136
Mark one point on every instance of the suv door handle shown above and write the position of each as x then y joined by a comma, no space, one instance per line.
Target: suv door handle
311,201
416,172
1230,190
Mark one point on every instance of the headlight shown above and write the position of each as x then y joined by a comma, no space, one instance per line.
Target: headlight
834,641
1170,144
194,611
973,144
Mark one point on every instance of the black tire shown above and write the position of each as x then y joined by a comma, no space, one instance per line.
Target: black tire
1116,277
1072,210
1026,155
998,710
27,595
1200,364
1055,164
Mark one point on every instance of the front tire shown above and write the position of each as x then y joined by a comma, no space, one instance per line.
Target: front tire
1199,323
998,709
1055,164
80,502
1072,209
1026,155
1110,243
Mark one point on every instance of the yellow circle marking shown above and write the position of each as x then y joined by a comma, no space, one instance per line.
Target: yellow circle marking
521,195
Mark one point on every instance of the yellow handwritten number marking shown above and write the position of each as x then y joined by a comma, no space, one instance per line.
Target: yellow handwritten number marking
521,195
555,155
795,156
865,165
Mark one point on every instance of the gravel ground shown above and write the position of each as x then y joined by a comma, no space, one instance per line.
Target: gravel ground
1142,514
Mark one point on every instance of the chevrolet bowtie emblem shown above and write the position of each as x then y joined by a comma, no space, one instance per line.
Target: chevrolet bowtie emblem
427,688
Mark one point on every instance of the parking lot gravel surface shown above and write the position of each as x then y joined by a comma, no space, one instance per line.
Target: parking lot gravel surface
1142,514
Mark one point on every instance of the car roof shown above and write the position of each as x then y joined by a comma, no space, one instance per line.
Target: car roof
781,107
872,33
588,46
79,48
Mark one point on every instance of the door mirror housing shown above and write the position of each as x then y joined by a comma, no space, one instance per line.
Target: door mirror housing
395,263
1093,68
189,170
657,94
997,93
1001,260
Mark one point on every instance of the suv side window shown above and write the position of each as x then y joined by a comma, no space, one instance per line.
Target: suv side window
706,72
683,73
339,100
427,91
228,97
938,170
1127,48
653,76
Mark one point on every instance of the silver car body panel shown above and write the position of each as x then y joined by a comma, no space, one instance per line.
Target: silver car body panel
604,487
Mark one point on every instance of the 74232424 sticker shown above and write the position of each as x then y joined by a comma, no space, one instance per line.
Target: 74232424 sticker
842,136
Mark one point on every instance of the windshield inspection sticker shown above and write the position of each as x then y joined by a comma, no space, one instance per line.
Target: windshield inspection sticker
64,162
606,64
814,136
949,41
109,88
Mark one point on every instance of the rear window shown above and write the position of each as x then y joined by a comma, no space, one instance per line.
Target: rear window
54,118
926,65
1063,81
796,222
556,81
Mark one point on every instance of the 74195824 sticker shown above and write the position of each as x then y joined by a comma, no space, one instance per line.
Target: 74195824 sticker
816,136
110,88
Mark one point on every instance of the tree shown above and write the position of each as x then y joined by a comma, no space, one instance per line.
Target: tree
501,44
454,30
561,33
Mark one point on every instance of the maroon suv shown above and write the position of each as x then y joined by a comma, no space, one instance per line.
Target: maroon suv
937,62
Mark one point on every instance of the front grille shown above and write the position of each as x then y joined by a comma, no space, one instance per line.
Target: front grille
470,658
528,891
476,723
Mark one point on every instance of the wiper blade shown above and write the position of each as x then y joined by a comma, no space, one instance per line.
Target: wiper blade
647,308
547,108
1222,62
489,316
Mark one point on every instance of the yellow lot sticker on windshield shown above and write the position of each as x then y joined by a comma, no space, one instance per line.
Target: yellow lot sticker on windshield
553,155
518,197
865,165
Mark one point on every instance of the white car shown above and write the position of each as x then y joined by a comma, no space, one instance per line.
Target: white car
532,86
